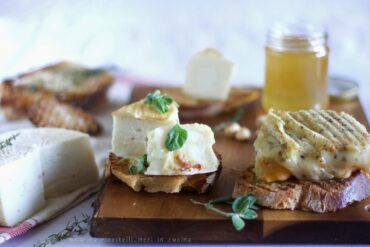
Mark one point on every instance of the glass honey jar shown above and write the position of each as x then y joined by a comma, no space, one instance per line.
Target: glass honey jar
296,73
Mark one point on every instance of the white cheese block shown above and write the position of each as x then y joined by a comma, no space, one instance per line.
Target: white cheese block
21,186
58,161
194,157
131,124
208,76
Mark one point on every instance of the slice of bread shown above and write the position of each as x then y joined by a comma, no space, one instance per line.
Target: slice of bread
191,107
200,183
51,113
67,82
16,101
317,196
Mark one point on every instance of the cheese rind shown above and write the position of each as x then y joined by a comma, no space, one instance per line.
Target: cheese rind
41,164
208,76
194,157
131,124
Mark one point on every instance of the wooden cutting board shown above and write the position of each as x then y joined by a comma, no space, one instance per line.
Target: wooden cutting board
129,217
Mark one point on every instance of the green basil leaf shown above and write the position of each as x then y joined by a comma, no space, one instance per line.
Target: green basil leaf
159,102
167,99
248,214
243,203
238,222
176,138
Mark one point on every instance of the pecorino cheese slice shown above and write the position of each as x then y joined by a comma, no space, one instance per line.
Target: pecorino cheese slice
40,164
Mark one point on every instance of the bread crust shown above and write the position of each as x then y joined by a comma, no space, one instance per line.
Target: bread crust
316,196
200,183
51,113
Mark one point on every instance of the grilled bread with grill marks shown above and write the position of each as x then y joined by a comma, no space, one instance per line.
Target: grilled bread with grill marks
313,160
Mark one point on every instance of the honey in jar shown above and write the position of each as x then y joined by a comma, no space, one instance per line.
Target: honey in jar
296,74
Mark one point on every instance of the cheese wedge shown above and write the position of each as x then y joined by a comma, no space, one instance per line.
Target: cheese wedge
208,76
311,145
21,185
131,124
196,156
41,164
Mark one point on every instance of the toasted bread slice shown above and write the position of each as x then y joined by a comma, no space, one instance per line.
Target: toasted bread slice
191,107
51,113
320,196
67,82
16,102
200,183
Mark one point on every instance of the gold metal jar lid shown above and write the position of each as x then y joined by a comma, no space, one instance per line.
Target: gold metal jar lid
342,88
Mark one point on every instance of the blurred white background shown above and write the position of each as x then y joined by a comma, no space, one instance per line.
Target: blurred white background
154,39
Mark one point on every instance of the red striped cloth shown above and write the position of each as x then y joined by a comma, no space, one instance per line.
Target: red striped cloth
7,233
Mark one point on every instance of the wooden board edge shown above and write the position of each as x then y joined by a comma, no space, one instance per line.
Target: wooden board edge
220,231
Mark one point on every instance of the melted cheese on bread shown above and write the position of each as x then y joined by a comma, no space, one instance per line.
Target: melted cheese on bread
312,145
194,157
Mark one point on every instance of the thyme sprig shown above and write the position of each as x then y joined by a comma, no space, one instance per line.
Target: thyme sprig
75,228
239,114
243,208
8,142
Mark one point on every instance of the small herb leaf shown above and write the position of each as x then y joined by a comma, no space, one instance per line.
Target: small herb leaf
176,138
243,204
167,99
239,114
159,102
238,222
137,165
248,214
243,208
8,142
